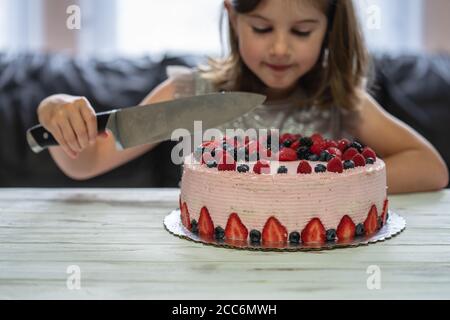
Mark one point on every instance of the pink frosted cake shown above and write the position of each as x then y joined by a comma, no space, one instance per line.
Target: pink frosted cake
312,191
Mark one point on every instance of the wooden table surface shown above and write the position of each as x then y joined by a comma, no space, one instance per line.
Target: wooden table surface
116,240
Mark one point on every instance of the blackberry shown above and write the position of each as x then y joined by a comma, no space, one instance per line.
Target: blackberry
320,168
331,235
282,170
294,237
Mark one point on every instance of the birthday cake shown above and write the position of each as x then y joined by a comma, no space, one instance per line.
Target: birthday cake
312,191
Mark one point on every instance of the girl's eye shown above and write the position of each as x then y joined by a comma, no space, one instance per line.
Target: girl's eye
301,33
261,30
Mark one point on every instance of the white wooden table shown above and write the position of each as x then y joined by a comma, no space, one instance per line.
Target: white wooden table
117,240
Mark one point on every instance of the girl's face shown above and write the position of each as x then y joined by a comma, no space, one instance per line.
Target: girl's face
280,41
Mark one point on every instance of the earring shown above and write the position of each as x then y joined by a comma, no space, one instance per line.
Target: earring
326,56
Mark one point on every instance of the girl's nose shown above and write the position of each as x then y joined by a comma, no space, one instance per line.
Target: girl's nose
280,47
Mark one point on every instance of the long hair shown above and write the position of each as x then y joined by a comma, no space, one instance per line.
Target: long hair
337,84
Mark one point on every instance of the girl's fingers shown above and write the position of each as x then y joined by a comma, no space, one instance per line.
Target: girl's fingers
57,134
79,127
90,120
69,135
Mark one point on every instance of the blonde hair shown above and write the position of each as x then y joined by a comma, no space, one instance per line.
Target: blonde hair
337,84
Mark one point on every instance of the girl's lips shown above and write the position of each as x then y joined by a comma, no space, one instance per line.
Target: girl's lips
278,67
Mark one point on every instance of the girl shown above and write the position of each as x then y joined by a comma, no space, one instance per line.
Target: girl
307,57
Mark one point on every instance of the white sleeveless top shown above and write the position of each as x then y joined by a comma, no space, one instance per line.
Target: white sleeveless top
284,115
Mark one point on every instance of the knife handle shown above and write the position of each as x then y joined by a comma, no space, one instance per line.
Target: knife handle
40,139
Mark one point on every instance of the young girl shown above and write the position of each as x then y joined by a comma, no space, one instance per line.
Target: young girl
307,57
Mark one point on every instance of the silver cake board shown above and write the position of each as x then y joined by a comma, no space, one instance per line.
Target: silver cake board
394,225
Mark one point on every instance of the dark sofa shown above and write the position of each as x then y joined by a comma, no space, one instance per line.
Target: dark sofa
415,89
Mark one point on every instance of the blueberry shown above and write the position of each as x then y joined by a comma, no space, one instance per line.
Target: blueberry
370,161
211,164
349,164
331,235
294,237
325,156
219,233
387,216
255,236
243,168
306,141
225,146
287,143
282,170
194,226
358,146
360,231
313,157
320,168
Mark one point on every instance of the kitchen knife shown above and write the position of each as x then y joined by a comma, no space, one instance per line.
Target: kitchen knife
154,123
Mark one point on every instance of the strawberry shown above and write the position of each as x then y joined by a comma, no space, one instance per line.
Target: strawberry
295,145
314,232
274,231
318,147
385,211
262,167
235,229
225,162
331,144
185,218
349,154
287,136
335,151
304,167
346,229
335,165
371,223
369,153
359,160
287,154
316,137
343,144
205,224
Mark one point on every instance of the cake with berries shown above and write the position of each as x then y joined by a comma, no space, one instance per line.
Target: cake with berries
312,191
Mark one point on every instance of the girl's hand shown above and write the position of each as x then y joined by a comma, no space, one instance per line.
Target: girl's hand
71,120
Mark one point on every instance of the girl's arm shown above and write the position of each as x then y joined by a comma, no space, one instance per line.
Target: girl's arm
103,156
413,164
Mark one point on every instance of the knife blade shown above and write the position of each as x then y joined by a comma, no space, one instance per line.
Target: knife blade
153,123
